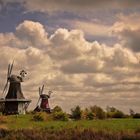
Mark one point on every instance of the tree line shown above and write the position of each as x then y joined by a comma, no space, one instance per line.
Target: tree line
90,113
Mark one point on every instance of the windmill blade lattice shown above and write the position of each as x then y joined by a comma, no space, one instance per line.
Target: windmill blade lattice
9,71
42,89
39,91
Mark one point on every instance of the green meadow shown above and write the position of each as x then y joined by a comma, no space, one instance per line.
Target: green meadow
23,127
26,122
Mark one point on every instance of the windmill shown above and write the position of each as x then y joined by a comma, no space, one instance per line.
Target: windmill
14,101
43,102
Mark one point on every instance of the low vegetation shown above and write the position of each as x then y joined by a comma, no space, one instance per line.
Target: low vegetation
65,134
92,123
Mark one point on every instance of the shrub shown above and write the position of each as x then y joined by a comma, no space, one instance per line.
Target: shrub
57,109
76,113
62,116
40,116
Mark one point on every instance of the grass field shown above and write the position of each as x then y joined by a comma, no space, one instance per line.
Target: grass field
20,122
109,128
25,121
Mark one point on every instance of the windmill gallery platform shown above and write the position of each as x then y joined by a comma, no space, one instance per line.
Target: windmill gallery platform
14,102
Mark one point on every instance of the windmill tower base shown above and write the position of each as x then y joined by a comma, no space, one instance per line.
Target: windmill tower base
14,106
38,109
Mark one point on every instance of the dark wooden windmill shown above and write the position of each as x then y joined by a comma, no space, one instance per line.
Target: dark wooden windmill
43,101
14,101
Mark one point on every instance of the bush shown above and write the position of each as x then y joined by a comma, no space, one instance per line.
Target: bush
61,116
57,109
76,113
40,116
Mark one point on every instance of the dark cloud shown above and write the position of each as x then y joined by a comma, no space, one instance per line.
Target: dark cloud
131,39
76,5
127,29
82,66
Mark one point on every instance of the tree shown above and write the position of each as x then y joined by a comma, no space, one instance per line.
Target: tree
132,113
112,112
76,113
136,115
88,114
98,111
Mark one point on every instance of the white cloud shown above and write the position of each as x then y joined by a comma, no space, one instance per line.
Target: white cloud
71,66
32,34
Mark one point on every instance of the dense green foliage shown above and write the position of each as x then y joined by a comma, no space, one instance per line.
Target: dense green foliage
61,116
98,111
76,113
114,113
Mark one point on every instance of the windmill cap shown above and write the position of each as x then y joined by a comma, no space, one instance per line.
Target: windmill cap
44,96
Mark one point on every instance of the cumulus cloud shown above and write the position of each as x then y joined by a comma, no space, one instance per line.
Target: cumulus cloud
70,65
67,44
32,33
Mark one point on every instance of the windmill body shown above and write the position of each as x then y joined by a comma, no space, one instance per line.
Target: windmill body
43,101
14,102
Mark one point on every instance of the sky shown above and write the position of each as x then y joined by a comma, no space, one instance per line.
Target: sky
86,51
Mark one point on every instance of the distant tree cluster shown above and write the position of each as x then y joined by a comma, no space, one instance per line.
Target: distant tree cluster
93,112
133,114
96,112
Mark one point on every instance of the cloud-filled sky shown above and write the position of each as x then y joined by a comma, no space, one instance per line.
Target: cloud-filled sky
87,52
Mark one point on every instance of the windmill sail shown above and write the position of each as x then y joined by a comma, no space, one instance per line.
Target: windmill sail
42,89
10,67
39,97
